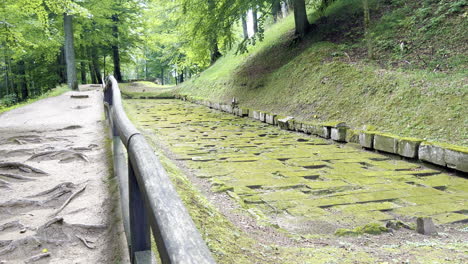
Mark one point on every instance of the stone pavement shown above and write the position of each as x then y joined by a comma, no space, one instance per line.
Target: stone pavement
292,180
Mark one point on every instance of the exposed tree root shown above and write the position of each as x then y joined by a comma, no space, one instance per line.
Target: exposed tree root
15,176
4,184
68,200
21,166
70,127
63,155
60,187
37,257
79,96
21,140
12,224
85,242
20,203
51,222
83,226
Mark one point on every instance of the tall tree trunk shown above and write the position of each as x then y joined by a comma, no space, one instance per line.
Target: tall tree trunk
244,27
162,75
300,17
22,83
62,66
95,62
370,53
215,54
181,77
115,49
83,64
276,10
255,20
70,52
285,6
7,75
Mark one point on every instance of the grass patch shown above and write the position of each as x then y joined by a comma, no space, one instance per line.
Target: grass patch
328,76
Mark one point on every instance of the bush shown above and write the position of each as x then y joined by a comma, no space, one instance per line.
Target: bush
9,100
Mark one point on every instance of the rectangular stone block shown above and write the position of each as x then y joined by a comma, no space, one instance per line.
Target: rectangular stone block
385,142
338,134
326,131
307,127
262,116
297,126
243,111
283,123
431,153
270,118
457,158
216,106
256,114
408,147
366,139
352,136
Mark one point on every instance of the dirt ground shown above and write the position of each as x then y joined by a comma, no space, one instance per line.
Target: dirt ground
58,201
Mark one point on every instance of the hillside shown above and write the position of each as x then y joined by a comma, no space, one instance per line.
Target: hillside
414,86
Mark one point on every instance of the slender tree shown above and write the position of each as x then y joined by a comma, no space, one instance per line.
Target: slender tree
70,52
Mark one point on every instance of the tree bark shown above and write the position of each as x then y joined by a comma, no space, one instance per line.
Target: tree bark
365,4
95,62
115,49
255,20
23,85
162,75
244,27
276,11
62,66
83,65
300,17
70,52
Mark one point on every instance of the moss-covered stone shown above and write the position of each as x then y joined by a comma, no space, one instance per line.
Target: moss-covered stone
386,142
338,134
366,139
372,228
408,147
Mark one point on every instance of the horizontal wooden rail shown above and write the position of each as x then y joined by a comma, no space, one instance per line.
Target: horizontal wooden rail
149,200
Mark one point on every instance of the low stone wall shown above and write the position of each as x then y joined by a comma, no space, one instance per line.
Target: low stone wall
445,155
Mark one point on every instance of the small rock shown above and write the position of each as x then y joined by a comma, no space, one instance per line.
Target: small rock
23,230
425,226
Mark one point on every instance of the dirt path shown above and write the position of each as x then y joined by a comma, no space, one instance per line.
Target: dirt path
57,199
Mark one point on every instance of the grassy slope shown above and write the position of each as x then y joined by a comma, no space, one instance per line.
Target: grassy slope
418,91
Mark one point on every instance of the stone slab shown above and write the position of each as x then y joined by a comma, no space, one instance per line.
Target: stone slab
283,123
386,143
270,118
338,134
408,147
366,139
431,153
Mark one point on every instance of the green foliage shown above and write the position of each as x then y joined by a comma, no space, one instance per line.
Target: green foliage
9,100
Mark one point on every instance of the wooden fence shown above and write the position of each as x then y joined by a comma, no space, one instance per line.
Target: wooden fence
149,200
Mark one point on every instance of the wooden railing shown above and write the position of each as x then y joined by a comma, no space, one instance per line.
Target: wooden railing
149,200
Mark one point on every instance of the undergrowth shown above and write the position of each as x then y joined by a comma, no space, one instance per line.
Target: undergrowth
415,85
10,102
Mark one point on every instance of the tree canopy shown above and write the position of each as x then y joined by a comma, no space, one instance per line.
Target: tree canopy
159,40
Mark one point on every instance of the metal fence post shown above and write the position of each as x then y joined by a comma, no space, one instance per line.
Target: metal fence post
139,222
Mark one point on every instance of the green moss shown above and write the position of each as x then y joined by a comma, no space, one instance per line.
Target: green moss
372,228
448,146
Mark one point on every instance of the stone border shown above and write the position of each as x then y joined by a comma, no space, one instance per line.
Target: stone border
445,155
